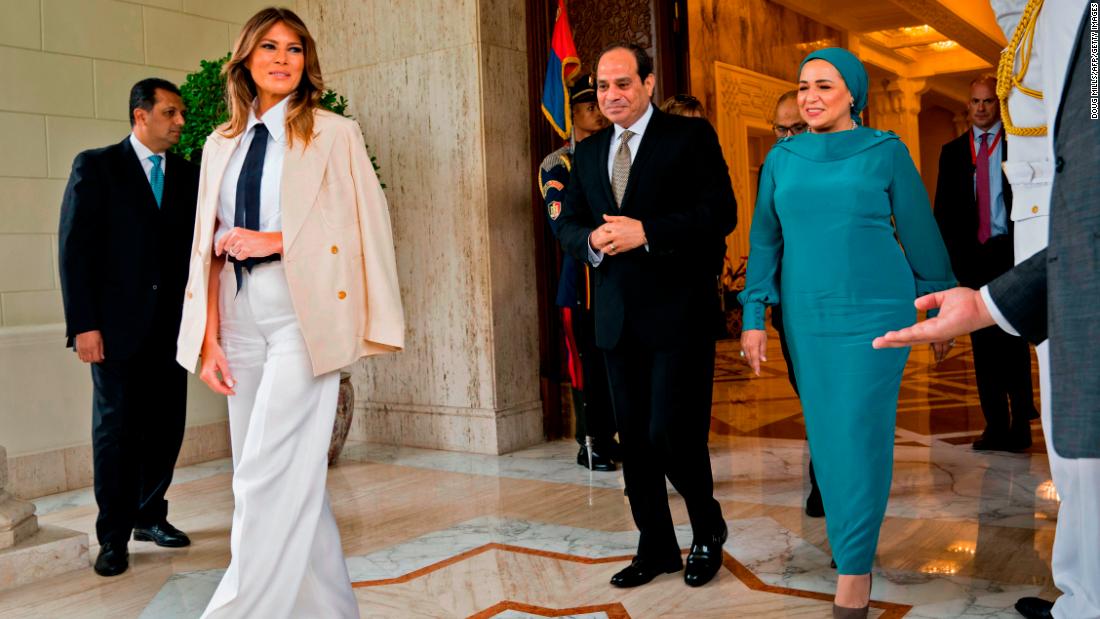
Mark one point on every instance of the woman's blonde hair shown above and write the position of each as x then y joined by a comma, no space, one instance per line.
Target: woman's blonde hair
241,90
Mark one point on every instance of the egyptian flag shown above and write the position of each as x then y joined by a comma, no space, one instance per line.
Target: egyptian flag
562,68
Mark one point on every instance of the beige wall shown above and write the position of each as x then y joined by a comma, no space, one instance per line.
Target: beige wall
440,89
66,67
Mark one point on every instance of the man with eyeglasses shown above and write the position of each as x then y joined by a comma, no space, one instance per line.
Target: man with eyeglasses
788,122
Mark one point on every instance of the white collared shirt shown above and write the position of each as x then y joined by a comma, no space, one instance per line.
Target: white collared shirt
143,153
634,142
270,184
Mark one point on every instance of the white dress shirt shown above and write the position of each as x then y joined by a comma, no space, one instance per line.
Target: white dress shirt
143,153
635,142
271,182
995,312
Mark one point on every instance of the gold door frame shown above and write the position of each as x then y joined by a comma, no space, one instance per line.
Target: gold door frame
746,100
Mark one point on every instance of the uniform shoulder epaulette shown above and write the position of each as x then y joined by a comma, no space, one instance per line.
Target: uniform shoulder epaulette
556,158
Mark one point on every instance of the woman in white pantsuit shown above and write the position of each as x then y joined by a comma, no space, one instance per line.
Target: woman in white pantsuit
292,277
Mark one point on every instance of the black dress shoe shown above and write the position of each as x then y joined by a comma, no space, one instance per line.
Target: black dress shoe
1034,608
1011,444
610,448
162,534
814,507
113,559
639,572
705,559
600,462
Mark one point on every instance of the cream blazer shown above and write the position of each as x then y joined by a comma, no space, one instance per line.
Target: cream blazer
337,248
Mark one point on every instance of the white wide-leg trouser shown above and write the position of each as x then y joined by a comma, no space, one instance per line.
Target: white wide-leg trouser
1076,558
286,554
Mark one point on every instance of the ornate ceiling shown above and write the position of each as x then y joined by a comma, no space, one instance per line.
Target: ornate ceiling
945,42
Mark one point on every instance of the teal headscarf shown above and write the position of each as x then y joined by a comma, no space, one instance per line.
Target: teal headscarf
851,69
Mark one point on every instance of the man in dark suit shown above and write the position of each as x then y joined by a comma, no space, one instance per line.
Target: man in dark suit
648,203
973,200
125,242
1053,294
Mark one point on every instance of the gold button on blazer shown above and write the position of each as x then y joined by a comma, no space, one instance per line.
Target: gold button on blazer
324,206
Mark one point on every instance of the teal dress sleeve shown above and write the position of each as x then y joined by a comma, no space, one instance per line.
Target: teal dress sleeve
916,226
765,252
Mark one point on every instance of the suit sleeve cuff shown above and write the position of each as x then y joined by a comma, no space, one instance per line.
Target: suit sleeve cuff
995,312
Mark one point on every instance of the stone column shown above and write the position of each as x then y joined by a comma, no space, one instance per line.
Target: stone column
28,553
894,104
440,90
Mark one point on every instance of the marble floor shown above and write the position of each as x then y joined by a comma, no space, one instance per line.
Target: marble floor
531,534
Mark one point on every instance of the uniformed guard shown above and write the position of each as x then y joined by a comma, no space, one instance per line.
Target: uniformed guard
591,397
1030,81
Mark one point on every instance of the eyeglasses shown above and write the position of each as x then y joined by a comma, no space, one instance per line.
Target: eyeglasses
795,129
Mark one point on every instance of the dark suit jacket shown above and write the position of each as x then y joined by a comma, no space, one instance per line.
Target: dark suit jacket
123,261
956,213
1056,292
680,190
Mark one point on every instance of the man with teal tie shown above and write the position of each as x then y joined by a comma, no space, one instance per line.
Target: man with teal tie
124,242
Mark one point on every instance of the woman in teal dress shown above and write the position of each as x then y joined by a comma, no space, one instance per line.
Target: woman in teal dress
832,207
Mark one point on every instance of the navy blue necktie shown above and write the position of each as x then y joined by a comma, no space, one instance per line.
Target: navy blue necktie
247,213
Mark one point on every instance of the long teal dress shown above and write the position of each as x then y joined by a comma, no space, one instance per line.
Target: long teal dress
823,245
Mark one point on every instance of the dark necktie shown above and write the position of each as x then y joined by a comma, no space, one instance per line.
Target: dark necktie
247,213
982,164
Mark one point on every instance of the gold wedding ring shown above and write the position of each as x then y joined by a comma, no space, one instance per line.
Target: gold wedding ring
612,246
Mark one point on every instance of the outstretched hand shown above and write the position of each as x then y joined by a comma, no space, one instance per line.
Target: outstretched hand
962,310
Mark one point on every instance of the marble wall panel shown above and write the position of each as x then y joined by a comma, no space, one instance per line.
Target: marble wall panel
752,34
421,117
441,93
358,33
511,237
503,24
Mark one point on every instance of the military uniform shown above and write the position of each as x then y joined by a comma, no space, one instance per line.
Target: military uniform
1032,85
591,396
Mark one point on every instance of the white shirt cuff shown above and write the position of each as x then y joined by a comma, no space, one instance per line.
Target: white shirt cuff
998,317
594,257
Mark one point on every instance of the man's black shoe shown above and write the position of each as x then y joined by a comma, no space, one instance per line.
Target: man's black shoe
814,507
113,559
162,534
600,462
1012,444
610,448
640,572
705,559
1034,608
